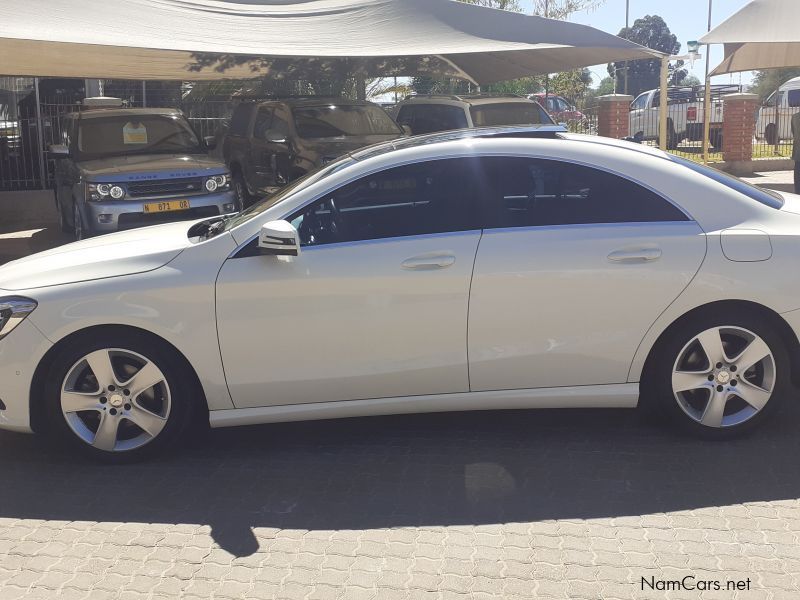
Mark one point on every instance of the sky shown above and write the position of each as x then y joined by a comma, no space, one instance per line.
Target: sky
687,19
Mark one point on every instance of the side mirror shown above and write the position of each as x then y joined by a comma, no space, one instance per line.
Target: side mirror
407,130
211,141
59,150
279,238
275,137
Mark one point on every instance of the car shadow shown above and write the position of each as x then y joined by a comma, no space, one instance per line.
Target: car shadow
444,469
18,244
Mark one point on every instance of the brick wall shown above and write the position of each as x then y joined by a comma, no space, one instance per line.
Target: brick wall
738,128
613,115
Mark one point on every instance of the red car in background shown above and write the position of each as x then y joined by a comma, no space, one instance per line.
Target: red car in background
561,109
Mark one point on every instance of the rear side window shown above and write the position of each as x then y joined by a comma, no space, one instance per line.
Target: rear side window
240,120
524,192
431,118
766,197
509,113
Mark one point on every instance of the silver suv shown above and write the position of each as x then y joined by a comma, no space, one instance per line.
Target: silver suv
431,113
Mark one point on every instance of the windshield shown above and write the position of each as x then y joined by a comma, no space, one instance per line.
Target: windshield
766,197
135,134
313,122
509,113
284,193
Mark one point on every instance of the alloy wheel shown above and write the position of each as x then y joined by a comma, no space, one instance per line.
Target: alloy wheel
115,400
724,376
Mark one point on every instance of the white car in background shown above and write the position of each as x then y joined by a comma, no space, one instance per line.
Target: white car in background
473,270
775,115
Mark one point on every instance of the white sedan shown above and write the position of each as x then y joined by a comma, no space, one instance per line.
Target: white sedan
489,269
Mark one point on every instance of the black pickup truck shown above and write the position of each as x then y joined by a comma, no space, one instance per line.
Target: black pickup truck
270,143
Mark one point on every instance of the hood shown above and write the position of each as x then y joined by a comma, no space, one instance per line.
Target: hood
162,166
791,203
113,255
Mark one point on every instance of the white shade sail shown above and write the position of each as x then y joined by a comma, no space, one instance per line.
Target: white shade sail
762,35
215,39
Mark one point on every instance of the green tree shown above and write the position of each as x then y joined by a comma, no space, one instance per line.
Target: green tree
501,4
653,32
690,80
766,82
606,86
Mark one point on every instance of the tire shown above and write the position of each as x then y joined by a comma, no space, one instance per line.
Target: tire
63,225
78,231
143,418
243,198
771,134
715,140
680,359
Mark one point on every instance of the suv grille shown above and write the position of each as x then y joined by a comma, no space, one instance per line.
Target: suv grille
166,187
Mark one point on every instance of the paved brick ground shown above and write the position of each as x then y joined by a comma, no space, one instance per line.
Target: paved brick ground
551,504
471,506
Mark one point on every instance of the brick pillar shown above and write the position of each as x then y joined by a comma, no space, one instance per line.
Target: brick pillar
613,115
738,127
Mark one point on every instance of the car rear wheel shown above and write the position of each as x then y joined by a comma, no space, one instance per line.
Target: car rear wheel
118,397
771,134
719,377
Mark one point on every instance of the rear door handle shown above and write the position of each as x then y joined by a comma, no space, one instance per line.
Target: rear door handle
637,255
428,262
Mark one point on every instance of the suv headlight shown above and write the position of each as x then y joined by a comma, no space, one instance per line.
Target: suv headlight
13,310
218,183
102,191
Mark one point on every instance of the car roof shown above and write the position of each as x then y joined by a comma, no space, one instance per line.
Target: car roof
312,101
470,99
521,131
95,113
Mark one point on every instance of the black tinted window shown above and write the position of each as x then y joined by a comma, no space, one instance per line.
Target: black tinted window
524,192
509,113
263,123
431,118
423,198
240,120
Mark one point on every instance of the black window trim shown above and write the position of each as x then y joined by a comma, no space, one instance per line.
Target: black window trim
246,248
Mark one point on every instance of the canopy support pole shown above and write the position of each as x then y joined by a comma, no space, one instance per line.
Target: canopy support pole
39,134
707,121
662,107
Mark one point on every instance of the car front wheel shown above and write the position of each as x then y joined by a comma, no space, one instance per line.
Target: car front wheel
720,377
118,397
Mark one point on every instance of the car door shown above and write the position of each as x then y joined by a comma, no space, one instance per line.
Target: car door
374,306
573,268
260,161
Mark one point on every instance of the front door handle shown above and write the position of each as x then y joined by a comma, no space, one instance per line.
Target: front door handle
428,262
636,255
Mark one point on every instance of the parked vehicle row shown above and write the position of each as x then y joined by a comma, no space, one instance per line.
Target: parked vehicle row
477,270
685,114
775,116
120,168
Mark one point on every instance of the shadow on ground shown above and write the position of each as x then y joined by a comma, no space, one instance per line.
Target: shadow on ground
14,245
446,469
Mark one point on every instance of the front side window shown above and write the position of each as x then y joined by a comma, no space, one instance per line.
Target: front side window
263,122
524,192
135,134
640,102
331,121
508,113
422,198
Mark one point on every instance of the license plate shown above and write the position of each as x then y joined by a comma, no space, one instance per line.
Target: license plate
168,206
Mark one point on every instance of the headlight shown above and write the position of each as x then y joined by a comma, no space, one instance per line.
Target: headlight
102,191
13,310
217,182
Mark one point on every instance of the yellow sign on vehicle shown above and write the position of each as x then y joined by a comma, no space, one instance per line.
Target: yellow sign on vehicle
167,206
